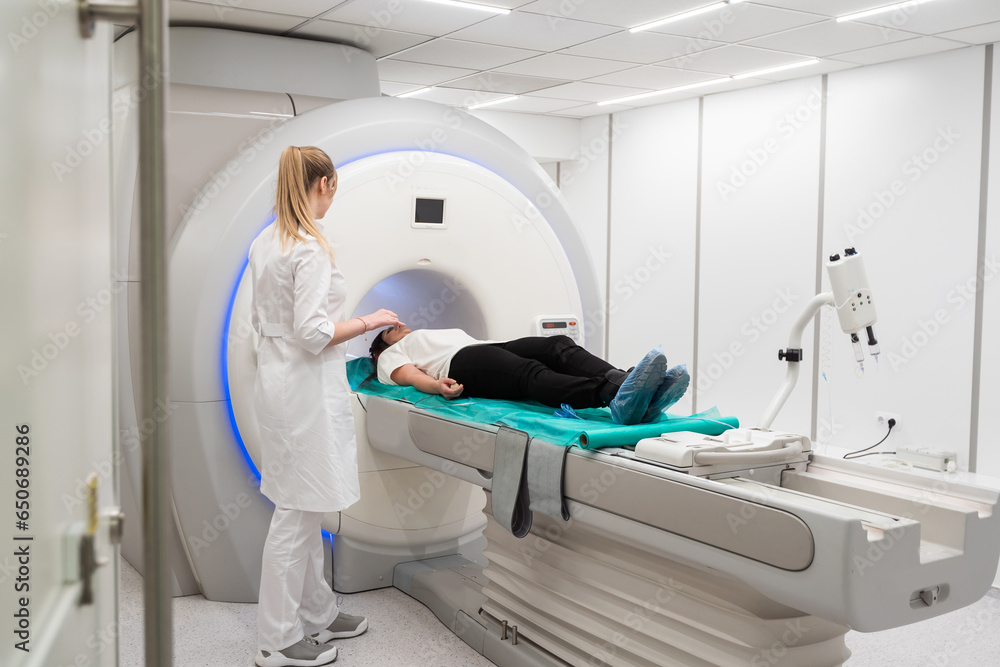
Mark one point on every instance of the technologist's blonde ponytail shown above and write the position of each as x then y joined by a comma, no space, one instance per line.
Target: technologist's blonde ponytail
298,170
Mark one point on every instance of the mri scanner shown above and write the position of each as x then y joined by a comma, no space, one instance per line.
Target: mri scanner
767,556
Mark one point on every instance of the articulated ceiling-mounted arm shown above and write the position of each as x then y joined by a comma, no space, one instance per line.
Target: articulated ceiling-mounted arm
852,299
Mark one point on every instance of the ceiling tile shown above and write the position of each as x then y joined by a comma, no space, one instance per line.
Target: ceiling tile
378,43
981,34
457,97
732,59
909,48
829,38
611,12
937,17
561,66
423,18
588,92
533,31
303,8
402,71
739,22
457,53
499,82
218,16
567,54
641,47
826,7
652,77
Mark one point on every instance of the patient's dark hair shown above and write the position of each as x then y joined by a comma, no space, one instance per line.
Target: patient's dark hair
378,346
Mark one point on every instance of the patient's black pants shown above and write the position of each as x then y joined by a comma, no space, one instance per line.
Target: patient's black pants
551,370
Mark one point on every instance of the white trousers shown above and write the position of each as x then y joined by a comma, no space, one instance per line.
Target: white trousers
295,598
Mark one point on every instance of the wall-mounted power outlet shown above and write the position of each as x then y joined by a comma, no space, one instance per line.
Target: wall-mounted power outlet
883,419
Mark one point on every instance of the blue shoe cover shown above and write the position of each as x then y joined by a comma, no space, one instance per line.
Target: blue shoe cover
566,411
675,382
633,397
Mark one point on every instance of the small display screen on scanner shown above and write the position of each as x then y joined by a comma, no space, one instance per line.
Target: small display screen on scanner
429,210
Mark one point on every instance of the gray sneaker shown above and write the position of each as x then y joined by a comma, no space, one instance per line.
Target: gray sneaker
344,626
306,652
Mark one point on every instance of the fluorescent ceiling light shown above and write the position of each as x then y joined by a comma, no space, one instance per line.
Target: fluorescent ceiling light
418,91
492,102
779,68
471,5
879,10
675,89
678,17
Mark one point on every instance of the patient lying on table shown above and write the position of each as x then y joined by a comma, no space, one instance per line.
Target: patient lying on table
551,370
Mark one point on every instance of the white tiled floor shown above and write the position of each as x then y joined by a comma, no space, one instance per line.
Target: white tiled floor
404,633
969,637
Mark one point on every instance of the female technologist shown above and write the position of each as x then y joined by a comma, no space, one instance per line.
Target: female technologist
308,452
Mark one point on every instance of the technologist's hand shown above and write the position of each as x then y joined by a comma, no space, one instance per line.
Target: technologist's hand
381,318
449,388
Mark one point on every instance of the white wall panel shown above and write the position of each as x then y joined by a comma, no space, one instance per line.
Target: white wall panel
903,170
653,206
760,207
584,182
988,461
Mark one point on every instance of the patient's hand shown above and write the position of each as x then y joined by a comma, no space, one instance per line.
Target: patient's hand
449,388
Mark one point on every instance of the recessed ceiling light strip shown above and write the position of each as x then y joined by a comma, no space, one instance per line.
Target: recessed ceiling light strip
510,98
418,91
856,16
678,17
471,5
779,68
675,89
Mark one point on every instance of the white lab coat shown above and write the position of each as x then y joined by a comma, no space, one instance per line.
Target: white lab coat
302,397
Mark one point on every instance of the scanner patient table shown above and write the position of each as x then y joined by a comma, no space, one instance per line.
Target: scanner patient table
769,563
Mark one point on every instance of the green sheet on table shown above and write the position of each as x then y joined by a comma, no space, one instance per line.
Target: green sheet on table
595,429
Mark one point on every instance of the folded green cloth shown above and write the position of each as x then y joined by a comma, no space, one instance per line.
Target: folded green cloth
593,430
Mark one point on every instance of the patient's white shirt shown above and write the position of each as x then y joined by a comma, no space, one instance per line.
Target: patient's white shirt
430,350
